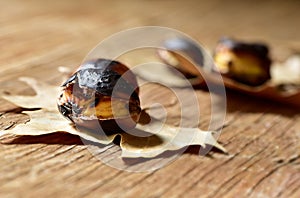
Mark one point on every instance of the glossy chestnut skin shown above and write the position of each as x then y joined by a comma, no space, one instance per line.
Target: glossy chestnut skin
247,63
101,95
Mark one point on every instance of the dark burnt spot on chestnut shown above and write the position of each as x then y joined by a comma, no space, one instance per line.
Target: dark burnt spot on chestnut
103,75
96,102
229,64
258,49
65,110
71,79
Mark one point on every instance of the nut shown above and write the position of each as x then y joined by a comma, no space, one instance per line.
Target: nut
101,93
247,63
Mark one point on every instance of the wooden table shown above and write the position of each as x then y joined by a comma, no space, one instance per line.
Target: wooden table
262,137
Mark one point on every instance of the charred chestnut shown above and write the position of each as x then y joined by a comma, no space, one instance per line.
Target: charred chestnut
101,93
245,62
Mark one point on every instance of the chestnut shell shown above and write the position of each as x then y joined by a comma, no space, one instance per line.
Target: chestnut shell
101,83
247,63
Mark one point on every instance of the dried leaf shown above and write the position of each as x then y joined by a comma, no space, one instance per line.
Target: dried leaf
146,140
168,137
42,99
287,74
44,122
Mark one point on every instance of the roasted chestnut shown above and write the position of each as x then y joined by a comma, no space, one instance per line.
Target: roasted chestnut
247,63
101,94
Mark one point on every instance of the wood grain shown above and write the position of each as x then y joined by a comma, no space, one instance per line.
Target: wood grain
262,137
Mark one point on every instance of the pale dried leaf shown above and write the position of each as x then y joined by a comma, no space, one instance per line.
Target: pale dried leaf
287,72
171,138
44,98
148,140
44,122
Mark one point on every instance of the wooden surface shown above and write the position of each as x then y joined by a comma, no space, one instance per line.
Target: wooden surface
262,137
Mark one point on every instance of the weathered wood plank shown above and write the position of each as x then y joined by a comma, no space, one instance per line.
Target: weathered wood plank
262,137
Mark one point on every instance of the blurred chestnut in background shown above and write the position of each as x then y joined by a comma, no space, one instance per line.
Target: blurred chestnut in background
247,63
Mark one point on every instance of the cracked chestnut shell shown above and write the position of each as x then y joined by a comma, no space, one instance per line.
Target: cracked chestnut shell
102,93
247,63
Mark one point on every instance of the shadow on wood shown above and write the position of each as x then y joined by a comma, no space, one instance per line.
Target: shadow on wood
53,138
